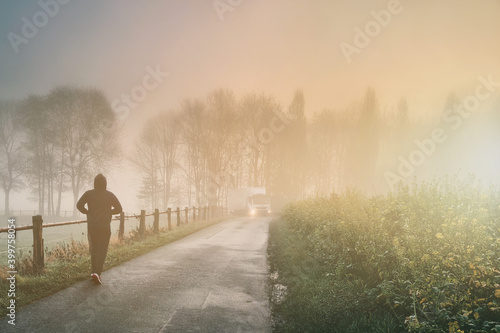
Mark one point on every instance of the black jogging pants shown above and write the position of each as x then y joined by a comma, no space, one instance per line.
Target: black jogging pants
98,236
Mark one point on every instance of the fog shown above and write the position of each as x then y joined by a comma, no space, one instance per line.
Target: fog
149,57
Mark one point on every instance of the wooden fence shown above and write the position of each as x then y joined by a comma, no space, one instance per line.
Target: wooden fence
197,214
14,212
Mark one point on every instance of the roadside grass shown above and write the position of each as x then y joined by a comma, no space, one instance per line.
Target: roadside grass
69,263
425,259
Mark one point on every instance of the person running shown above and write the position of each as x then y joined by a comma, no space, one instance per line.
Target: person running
101,205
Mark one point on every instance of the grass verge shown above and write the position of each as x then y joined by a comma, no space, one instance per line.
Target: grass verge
68,264
420,260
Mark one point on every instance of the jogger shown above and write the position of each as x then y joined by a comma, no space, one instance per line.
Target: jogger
101,205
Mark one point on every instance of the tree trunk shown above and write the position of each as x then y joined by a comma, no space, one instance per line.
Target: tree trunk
166,194
7,202
75,184
256,169
76,187
49,194
61,180
75,200
59,198
42,196
40,205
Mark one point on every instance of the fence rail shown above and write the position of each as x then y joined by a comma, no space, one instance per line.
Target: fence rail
15,212
197,214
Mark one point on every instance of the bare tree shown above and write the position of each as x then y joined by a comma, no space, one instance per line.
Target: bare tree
12,160
167,129
395,135
222,122
210,138
259,117
193,139
290,180
365,147
71,135
88,133
155,156
330,134
322,138
40,144
146,161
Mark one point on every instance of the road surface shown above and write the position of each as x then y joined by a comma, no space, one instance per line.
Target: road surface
212,281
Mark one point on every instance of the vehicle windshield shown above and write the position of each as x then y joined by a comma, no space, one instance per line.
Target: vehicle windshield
260,199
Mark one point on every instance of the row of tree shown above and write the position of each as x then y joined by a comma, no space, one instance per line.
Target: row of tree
54,143
210,145
207,146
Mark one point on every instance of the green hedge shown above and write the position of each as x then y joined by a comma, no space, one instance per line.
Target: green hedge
420,260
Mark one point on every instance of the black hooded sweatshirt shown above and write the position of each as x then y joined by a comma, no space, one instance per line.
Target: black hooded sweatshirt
101,203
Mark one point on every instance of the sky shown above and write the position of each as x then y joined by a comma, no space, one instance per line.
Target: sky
418,49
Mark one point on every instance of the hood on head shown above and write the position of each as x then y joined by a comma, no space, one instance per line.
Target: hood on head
100,182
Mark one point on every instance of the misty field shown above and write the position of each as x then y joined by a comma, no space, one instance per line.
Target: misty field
426,259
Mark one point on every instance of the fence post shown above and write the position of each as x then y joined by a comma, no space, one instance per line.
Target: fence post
178,216
38,253
194,214
186,213
169,218
142,224
121,228
156,221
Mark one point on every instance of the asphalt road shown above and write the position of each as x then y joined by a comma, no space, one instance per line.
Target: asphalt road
212,281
